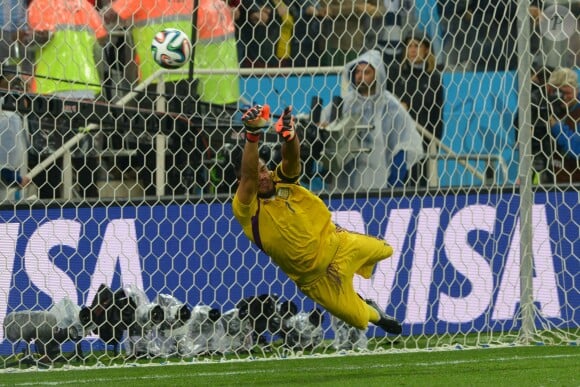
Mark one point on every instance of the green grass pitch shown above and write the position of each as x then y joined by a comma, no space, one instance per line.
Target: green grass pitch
511,366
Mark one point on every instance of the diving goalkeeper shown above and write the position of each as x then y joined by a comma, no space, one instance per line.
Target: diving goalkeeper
294,227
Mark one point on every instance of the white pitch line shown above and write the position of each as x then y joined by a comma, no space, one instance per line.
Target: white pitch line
301,369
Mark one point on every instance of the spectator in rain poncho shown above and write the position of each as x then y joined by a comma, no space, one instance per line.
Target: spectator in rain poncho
12,151
13,145
393,144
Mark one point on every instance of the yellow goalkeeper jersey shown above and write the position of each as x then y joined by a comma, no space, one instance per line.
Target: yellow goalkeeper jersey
293,227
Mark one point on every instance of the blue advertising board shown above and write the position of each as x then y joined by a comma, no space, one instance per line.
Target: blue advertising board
455,266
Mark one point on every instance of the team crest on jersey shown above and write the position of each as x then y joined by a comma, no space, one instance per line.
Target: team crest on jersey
283,192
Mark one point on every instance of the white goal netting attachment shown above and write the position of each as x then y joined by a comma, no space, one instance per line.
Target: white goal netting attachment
448,129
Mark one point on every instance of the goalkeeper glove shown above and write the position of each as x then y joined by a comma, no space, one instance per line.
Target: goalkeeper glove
255,119
285,125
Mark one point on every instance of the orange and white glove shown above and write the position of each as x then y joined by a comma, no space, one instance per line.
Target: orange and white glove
285,125
255,120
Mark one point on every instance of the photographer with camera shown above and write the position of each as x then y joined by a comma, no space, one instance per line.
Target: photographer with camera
564,103
542,147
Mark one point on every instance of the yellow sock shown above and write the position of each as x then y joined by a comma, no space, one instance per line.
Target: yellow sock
373,314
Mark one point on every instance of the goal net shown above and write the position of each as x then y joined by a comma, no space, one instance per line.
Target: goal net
449,129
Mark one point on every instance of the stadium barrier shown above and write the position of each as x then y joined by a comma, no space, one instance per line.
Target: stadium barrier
455,267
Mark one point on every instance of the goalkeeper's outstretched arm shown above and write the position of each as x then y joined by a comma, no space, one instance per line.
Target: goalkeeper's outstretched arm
255,119
248,182
285,127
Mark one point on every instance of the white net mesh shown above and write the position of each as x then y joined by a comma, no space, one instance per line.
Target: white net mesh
446,128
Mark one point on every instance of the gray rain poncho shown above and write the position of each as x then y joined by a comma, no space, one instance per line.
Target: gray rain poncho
12,145
389,130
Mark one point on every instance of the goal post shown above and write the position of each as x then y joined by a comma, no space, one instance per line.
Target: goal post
526,198
138,258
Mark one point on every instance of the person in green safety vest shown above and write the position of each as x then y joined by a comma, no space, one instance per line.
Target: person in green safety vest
214,43
65,67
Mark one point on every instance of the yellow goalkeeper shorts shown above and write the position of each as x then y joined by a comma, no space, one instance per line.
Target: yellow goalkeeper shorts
356,253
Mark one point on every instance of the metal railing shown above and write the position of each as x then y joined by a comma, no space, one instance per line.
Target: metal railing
463,159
